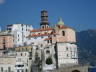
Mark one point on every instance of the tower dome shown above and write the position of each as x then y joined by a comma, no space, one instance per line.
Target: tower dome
60,21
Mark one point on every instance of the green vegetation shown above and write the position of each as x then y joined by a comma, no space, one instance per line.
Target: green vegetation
49,61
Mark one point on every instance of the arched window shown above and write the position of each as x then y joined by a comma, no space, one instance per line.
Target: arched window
49,61
63,33
75,71
25,54
43,27
66,48
9,69
47,51
21,54
67,55
26,70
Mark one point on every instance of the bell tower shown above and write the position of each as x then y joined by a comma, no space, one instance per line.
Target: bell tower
44,19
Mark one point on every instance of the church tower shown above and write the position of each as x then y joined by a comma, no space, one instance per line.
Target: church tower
44,19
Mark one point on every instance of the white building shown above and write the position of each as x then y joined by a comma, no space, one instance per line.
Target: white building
19,32
23,62
66,54
15,61
7,62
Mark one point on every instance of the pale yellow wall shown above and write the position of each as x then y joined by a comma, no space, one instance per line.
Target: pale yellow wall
69,36
7,60
8,41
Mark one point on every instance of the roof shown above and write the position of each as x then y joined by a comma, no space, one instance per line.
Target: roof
5,33
48,39
22,48
62,27
38,35
38,30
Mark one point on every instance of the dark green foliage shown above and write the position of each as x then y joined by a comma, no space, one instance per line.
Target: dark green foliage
49,61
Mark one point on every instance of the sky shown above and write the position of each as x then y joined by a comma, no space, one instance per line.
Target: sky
79,14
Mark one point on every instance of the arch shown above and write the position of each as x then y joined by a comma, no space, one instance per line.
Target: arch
63,33
75,71
49,61
47,52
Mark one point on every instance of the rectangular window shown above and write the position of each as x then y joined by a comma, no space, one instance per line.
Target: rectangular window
26,29
67,55
63,33
9,69
18,35
18,71
22,28
22,70
1,69
50,41
47,41
4,46
66,48
13,40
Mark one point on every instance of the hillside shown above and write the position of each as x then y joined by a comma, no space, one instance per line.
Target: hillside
86,41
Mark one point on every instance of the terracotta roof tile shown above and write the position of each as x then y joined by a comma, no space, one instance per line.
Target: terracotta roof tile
38,35
48,39
37,30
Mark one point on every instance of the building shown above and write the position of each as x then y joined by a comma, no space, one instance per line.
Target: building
24,48
16,61
7,62
57,44
23,61
19,32
76,68
38,36
65,45
44,49
6,40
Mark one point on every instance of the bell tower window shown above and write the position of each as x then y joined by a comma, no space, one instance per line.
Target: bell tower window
43,27
63,33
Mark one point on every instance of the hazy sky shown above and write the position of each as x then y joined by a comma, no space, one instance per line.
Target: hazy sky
79,14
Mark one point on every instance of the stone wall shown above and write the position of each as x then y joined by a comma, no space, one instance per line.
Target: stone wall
76,68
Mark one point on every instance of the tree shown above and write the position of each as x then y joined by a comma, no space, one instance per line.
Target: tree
49,61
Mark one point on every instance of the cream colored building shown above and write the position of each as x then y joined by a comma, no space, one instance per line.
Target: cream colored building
7,63
6,40
66,49
23,62
19,60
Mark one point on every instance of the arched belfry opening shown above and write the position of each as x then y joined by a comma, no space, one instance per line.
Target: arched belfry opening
75,71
